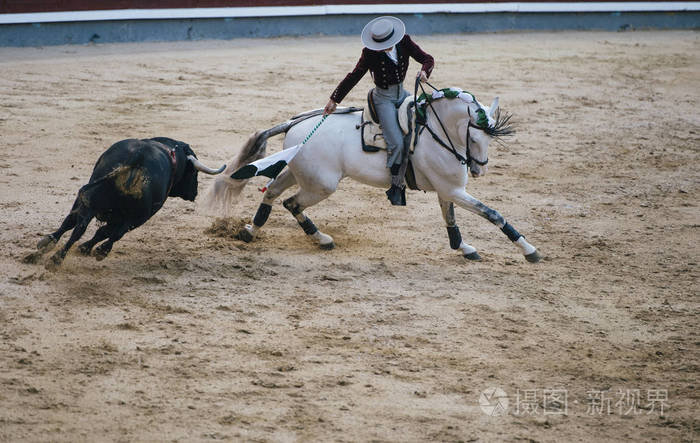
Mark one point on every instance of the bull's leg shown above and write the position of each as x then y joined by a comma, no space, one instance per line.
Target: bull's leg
101,234
116,233
456,242
103,250
302,200
283,182
466,201
84,216
49,241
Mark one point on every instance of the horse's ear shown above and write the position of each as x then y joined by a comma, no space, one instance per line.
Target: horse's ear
493,107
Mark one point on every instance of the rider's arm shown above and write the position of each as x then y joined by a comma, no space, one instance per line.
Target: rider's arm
419,55
351,79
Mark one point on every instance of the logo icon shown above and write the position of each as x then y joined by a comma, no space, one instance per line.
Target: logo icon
493,402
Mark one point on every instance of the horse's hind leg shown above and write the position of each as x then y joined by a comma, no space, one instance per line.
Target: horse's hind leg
456,242
283,182
302,200
466,201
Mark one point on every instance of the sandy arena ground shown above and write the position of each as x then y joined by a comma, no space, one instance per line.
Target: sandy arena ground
186,334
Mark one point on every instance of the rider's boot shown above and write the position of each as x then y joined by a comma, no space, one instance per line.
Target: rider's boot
397,192
397,195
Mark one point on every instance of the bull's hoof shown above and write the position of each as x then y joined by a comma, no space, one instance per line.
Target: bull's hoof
32,258
100,254
535,257
327,246
474,256
54,262
244,235
85,249
102,251
46,243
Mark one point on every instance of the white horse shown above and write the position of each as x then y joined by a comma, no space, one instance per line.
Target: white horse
335,152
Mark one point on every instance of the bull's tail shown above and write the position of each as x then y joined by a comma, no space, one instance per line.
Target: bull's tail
221,197
124,179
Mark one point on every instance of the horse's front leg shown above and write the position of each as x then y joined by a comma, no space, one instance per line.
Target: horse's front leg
283,182
466,201
456,242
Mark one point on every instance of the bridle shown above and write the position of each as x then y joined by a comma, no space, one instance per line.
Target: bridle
470,159
467,159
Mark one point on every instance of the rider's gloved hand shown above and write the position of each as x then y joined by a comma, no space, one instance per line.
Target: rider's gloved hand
422,76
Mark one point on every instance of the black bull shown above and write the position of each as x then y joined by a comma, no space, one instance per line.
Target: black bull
130,182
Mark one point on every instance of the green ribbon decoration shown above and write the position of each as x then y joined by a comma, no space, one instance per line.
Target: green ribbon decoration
424,99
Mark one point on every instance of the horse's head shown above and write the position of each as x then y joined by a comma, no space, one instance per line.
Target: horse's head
484,123
475,123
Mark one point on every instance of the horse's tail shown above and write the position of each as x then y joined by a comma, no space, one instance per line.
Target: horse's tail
224,193
221,197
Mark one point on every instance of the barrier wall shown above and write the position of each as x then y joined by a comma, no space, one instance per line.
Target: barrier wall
171,24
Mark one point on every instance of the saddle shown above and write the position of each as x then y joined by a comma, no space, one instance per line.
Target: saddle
373,138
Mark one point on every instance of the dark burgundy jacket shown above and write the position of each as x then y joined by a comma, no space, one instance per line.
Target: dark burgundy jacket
384,71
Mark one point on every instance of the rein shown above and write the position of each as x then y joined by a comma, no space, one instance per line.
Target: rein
465,160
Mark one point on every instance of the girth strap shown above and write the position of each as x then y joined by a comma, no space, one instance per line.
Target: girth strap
410,177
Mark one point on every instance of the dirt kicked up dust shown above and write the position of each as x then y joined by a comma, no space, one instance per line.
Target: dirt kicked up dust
186,334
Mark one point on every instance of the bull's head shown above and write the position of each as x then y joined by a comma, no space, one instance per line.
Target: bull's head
186,187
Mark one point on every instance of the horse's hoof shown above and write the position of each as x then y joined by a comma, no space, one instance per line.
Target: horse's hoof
327,246
54,262
474,256
84,250
46,243
244,235
535,257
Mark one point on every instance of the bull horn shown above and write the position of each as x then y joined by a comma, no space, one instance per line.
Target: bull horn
200,166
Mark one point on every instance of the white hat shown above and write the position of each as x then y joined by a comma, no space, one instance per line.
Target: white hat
383,33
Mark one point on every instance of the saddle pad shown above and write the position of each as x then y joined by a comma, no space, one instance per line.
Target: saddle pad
372,136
